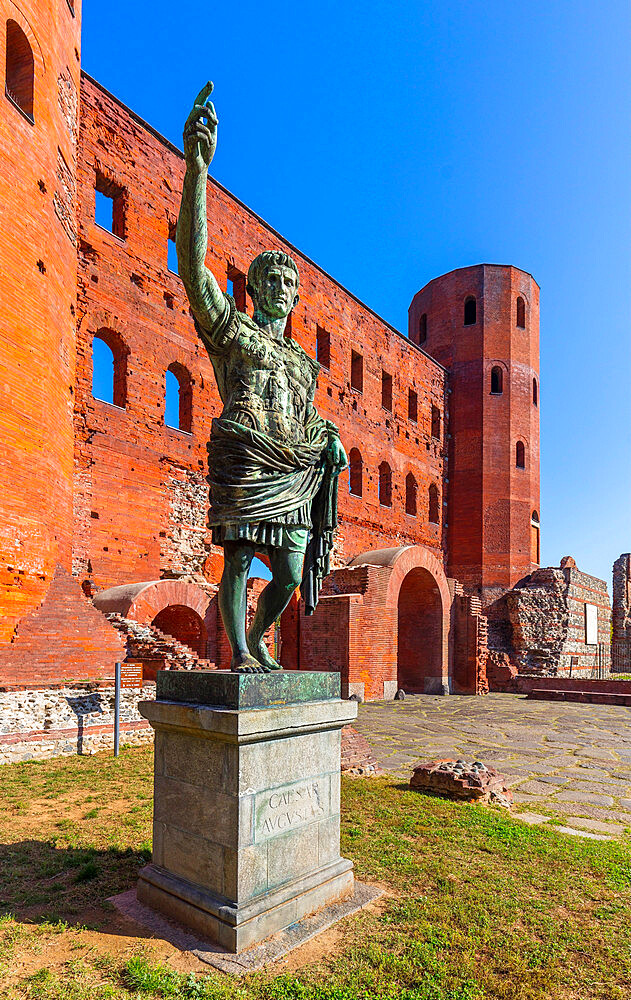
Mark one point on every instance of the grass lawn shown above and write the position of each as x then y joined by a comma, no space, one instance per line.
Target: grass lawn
477,905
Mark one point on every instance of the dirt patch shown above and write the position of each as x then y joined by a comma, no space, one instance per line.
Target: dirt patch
324,945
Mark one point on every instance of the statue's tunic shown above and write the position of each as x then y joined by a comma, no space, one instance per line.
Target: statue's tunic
269,482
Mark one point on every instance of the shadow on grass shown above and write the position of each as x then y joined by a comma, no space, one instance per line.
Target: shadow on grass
40,881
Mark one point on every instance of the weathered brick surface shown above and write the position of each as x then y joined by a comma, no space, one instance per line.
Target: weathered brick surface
470,646
545,615
357,757
491,501
129,453
621,610
38,268
133,506
66,637
456,779
524,685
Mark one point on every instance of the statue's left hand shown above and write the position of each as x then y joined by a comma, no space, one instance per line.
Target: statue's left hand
336,456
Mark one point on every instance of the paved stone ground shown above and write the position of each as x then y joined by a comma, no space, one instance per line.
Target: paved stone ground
567,764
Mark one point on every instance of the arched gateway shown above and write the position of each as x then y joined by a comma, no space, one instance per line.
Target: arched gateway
419,633
383,623
178,608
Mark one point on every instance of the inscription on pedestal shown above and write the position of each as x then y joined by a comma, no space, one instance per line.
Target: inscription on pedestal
289,807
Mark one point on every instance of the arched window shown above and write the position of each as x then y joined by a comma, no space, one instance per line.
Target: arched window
470,311
497,380
236,286
434,509
422,328
535,392
435,422
109,368
412,405
520,455
355,473
534,537
20,69
357,371
323,347
172,261
385,485
178,398
411,488
521,313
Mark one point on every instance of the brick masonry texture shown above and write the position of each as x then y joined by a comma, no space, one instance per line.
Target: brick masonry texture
38,281
66,637
621,612
160,471
99,497
490,500
543,619
68,720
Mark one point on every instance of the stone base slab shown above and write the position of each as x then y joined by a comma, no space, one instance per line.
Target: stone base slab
259,955
239,927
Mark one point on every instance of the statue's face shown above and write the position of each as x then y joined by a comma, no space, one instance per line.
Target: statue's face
277,292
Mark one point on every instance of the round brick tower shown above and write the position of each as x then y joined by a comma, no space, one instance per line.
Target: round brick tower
40,42
482,324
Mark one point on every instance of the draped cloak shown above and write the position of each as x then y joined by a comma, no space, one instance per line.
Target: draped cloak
259,483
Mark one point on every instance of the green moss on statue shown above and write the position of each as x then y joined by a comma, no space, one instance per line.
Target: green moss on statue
273,461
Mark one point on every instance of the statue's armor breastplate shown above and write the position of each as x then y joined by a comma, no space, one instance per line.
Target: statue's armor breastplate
268,384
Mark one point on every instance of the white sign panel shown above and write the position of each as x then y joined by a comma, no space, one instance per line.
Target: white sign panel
591,624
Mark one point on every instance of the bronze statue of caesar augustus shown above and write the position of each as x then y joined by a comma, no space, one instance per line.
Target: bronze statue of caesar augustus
273,461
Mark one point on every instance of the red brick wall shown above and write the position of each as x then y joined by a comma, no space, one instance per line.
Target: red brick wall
140,495
490,500
324,636
38,293
383,626
64,638
470,646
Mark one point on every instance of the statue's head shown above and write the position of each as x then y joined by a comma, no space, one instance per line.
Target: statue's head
273,283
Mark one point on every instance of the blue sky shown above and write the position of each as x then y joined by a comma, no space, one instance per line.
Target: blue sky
395,141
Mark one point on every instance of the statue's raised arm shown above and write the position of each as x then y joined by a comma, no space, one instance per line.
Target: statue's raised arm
200,139
273,461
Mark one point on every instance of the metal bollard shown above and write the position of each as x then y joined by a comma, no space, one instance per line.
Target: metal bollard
117,706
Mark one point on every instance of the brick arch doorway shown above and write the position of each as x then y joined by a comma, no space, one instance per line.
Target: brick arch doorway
419,633
384,573
144,602
185,625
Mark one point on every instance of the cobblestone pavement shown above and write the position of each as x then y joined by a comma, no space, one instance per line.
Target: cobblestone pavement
567,764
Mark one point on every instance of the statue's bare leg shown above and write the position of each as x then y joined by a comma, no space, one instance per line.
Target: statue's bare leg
286,576
238,558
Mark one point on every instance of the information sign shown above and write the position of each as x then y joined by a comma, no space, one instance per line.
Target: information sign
131,675
591,624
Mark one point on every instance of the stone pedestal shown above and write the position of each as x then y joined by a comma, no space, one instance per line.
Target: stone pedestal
246,831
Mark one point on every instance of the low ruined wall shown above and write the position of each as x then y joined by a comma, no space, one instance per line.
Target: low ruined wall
68,720
538,618
524,684
621,614
546,630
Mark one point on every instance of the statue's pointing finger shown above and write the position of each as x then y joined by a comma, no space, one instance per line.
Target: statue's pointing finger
203,107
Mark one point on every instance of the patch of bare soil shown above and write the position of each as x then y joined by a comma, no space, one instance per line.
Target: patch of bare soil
121,941
325,945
